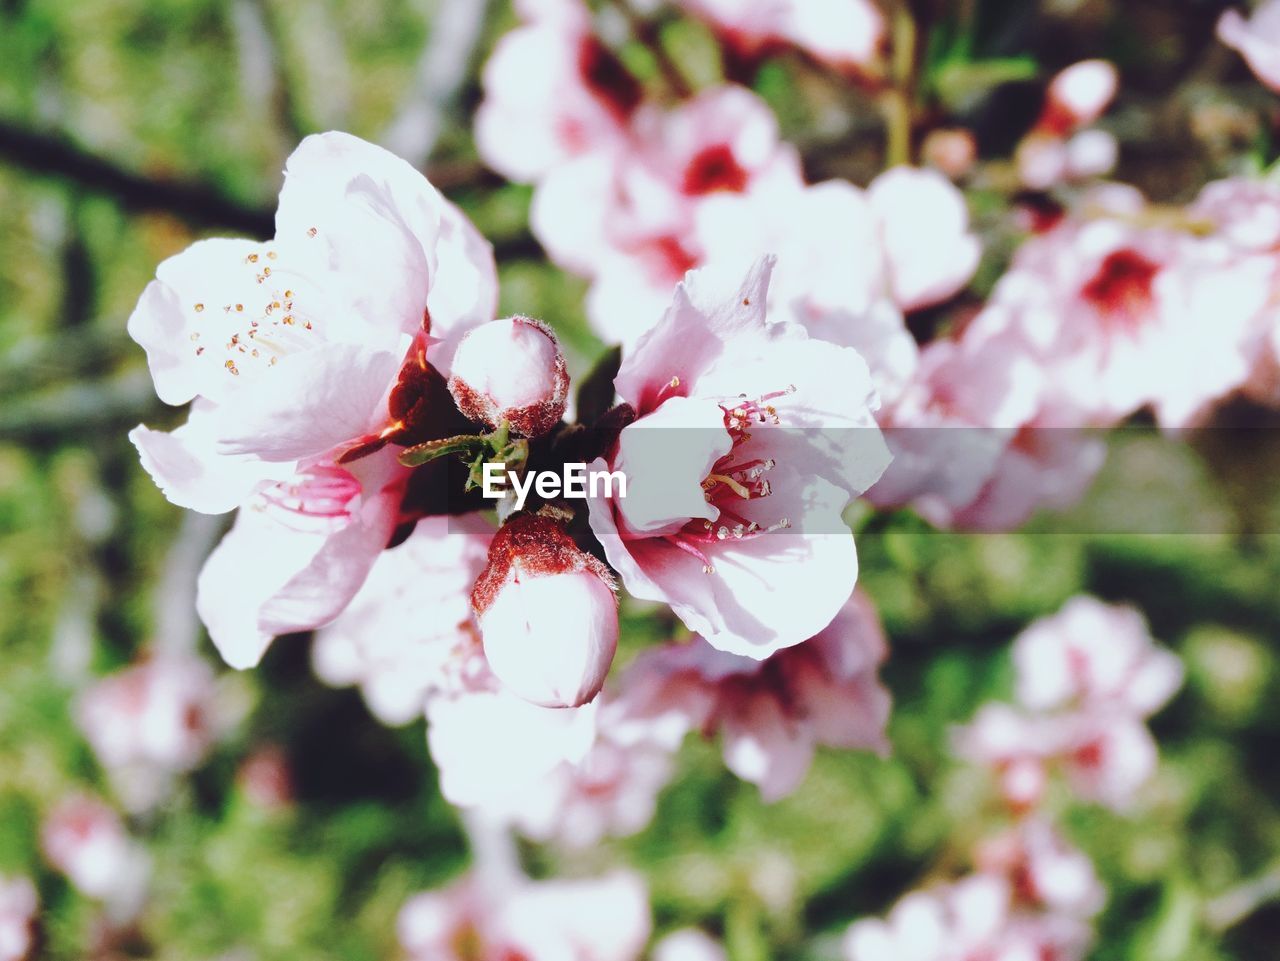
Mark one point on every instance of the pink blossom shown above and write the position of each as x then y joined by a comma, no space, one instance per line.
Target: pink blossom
625,219
409,631
603,919
85,840
552,92
298,553
843,33
18,907
290,348
511,371
534,576
736,524
1094,654
492,746
1257,39
772,714
611,792
149,722
1112,306
924,231
953,152
832,275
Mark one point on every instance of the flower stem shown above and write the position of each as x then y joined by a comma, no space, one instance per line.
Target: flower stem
898,101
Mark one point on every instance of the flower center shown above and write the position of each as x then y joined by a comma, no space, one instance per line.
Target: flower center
608,79
1121,289
714,169
258,323
322,495
735,479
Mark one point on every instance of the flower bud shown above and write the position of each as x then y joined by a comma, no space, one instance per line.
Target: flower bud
511,370
1078,96
548,613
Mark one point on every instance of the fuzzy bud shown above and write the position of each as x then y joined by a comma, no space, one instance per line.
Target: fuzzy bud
1078,96
511,370
548,613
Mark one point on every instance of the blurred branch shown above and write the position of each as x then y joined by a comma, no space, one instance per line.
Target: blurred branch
54,155
1229,909
441,69
262,76
79,408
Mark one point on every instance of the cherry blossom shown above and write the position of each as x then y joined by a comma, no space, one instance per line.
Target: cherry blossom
553,92
290,348
1113,305
625,219
149,722
18,906
771,714
602,919
409,631
1257,39
298,553
843,33
85,839
736,524
688,944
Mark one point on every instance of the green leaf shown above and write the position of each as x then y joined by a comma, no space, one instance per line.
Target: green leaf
595,393
465,444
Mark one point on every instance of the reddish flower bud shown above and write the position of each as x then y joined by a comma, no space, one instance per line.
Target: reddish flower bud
511,370
548,613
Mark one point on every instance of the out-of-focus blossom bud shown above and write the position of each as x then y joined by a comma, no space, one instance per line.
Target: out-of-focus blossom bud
1078,96
18,905
1256,39
86,840
1091,153
688,944
548,613
1041,160
266,778
511,370
953,152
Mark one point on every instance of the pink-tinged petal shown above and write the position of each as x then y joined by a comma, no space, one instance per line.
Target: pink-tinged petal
187,468
695,331
924,227
605,919
464,291
269,577
570,210
319,399
762,745
187,291
665,458
489,743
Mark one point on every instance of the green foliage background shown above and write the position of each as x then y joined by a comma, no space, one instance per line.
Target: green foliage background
162,90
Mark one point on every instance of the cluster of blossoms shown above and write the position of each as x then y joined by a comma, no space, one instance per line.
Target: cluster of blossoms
336,370
600,919
1087,678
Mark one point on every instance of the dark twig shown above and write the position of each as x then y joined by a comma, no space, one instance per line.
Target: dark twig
55,155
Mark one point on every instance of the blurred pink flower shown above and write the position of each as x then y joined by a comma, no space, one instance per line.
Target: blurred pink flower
409,631
772,714
148,722
18,907
1078,96
625,218
290,348
845,34
1096,655
1032,898
1114,306
1257,39
85,839
552,92
750,440
603,919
